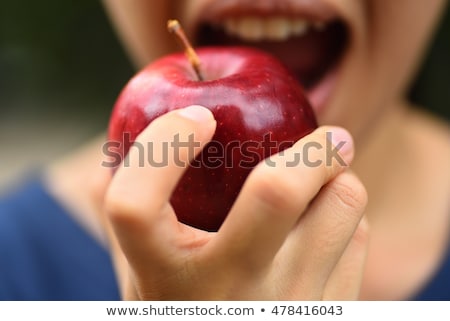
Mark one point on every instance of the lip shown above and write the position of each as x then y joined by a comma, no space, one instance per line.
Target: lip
316,11
320,94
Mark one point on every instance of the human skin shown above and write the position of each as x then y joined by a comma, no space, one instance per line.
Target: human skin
395,147
366,84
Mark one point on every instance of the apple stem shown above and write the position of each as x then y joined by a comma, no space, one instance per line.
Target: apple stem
175,27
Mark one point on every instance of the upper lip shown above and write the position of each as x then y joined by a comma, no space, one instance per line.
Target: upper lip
312,10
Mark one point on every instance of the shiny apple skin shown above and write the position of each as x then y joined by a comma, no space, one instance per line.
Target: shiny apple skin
251,95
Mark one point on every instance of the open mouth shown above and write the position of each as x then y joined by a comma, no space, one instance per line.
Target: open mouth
309,40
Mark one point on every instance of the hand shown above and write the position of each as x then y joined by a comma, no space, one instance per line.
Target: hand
295,232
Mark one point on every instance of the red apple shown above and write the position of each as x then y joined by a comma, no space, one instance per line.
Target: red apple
259,107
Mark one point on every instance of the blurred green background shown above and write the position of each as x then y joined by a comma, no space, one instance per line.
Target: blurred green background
54,53
62,67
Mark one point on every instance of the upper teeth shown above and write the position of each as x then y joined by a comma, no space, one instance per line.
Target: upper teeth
271,28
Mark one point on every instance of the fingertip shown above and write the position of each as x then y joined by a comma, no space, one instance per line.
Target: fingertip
342,142
197,113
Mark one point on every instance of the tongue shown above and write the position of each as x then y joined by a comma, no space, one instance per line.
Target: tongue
309,57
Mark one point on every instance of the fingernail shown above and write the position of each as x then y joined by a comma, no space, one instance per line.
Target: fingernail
342,142
196,113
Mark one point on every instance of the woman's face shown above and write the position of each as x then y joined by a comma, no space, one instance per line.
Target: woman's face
354,57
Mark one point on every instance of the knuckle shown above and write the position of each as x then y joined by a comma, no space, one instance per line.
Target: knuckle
349,193
121,211
275,189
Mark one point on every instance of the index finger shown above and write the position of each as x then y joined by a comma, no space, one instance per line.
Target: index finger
137,201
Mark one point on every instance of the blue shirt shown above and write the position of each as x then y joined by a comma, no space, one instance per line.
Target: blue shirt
46,255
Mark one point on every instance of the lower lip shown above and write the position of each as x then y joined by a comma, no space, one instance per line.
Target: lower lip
320,94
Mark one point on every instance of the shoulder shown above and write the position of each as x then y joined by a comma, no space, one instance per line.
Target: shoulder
438,284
